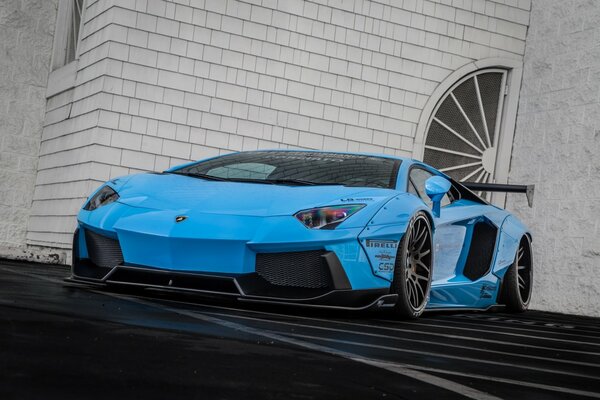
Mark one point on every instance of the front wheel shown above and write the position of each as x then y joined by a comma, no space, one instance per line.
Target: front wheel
413,268
518,280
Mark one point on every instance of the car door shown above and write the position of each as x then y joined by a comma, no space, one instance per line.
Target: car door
451,227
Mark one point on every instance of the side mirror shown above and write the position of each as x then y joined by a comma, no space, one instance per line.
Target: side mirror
436,187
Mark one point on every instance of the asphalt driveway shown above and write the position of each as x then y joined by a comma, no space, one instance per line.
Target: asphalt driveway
63,341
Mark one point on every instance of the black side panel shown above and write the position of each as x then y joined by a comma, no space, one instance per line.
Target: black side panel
103,251
338,275
481,252
75,246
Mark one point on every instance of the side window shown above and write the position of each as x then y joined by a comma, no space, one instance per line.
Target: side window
416,186
412,189
418,177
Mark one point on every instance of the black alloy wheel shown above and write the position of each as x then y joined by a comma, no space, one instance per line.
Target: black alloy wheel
413,268
518,280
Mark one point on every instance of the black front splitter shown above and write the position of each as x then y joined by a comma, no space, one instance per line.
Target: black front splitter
246,288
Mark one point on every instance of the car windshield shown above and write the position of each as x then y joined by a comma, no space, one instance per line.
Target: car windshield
298,168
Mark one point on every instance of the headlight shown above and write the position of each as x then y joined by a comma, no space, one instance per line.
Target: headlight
104,196
326,217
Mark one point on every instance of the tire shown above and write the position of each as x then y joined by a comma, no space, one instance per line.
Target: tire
413,268
518,280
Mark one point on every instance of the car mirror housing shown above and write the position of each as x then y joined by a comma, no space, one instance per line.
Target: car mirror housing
436,187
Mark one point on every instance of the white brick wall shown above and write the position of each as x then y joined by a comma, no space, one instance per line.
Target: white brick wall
556,146
160,82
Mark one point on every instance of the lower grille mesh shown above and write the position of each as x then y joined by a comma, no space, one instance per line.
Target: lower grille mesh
305,269
103,251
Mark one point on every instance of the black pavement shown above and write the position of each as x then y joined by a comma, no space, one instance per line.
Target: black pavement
58,340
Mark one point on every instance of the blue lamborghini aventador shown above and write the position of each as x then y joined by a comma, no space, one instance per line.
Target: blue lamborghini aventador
318,229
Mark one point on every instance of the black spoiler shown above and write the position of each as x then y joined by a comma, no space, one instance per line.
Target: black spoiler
500,187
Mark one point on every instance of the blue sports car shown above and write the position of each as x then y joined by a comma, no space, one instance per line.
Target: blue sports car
311,228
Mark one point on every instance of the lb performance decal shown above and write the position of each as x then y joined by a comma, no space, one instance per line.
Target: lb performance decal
484,292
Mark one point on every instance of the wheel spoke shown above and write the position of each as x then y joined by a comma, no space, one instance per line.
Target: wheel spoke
417,302
520,254
521,282
424,253
422,240
420,290
422,265
417,239
411,293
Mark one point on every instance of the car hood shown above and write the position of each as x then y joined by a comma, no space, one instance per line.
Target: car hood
176,192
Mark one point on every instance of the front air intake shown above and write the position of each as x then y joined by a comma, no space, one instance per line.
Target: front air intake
301,269
103,251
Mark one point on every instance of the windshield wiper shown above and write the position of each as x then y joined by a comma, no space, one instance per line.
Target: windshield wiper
198,175
302,182
283,181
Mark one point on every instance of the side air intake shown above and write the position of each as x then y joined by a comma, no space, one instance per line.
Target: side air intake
103,251
481,252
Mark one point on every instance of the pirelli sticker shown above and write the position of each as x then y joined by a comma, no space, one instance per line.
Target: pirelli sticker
382,254
382,244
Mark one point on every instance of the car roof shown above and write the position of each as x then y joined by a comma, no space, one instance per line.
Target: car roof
404,159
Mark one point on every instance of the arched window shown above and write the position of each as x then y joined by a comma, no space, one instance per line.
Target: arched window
462,137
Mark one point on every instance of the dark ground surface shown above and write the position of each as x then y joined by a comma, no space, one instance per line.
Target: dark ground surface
62,341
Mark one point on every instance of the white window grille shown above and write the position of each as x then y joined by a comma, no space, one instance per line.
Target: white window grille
463,134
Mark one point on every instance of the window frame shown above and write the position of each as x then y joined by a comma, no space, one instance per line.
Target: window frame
434,172
63,29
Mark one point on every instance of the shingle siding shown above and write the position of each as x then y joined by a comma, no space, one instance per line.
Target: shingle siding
161,82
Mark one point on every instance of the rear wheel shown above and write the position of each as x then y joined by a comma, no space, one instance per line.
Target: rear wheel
518,281
412,271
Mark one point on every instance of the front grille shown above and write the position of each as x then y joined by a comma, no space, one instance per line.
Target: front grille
305,269
103,251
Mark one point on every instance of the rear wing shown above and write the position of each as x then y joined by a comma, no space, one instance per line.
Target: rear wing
499,187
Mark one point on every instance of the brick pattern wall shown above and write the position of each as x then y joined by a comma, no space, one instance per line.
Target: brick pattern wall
26,32
162,82
556,146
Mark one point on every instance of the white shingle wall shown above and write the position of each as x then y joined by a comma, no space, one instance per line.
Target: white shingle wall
556,146
26,32
162,82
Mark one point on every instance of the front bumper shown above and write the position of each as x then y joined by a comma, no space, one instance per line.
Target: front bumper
307,278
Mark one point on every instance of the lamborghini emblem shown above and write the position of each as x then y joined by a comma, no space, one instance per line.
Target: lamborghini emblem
180,218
